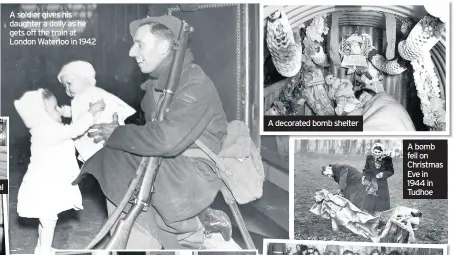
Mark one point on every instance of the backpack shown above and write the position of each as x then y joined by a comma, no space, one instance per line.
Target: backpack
239,163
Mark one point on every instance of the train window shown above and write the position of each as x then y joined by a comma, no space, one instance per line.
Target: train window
275,151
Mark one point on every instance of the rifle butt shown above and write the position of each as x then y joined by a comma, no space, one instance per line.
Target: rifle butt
120,237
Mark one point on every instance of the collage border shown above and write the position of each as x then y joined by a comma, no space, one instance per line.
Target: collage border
447,132
420,135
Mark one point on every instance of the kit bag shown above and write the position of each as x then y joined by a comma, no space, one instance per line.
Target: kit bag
239,163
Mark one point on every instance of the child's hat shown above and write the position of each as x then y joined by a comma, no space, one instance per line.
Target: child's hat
79,67
30,108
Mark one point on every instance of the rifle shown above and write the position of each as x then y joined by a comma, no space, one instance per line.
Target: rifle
148,167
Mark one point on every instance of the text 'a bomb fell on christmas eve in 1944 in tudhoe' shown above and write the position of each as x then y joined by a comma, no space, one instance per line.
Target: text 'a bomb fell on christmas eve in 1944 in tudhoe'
422,172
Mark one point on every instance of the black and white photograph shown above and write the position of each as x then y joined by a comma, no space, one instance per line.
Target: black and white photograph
295,247
98,252
145,113
225,253
352,190
4,148
3,229
384,63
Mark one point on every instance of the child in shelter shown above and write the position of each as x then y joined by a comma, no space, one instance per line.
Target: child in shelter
46,188
78,77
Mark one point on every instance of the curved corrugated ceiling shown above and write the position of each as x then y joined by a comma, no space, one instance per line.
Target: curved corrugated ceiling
364,15
299,14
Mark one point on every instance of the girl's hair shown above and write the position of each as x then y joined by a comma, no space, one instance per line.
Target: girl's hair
47,94
364,90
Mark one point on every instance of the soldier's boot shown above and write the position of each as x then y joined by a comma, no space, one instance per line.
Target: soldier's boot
216,221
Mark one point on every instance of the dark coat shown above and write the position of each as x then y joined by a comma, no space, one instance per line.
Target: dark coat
349,180
184,186
382,202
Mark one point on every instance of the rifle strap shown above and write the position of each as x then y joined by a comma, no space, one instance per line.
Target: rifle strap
121,206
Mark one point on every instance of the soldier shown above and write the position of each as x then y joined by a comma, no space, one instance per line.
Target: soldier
185,187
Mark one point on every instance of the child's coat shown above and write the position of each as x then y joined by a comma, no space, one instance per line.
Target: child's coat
80,104
85,145
46,188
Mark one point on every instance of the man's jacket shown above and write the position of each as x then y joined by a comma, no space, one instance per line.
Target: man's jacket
184,186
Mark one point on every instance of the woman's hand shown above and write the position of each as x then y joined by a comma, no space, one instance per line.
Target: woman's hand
379,175
102,132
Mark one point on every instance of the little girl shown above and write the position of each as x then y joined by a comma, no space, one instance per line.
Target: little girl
46,188
78,77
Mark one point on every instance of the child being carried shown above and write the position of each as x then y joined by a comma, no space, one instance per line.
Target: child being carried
78,77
